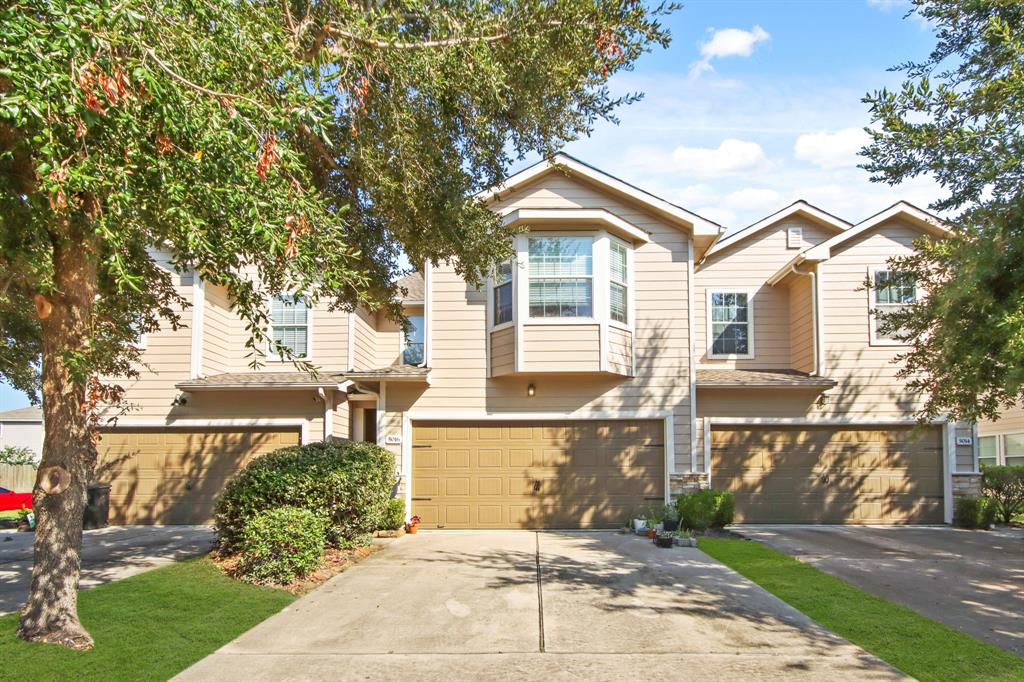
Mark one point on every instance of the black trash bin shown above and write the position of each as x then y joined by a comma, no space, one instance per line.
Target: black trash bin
97,506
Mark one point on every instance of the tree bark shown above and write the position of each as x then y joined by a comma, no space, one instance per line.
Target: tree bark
51,612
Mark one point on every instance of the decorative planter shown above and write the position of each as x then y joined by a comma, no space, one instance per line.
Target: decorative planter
670,525
663,541
412,528
651,533
639,525
686,542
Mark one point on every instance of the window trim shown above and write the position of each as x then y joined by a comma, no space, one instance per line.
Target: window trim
594,317
423,317
751,351
873,339
629,284
272,355
1000,445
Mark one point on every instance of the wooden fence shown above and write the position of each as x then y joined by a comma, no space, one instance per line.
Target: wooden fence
20,478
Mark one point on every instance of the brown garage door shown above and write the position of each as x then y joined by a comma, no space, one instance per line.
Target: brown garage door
172,476
830,475
535,475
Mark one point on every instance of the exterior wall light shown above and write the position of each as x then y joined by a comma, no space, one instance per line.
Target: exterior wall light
531,390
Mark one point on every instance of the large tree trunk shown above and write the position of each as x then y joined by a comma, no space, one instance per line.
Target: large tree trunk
51,612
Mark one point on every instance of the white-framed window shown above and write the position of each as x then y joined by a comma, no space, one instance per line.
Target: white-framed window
502,295
1004,449
618,280
730,324
412,341
890,291
289,326
561,274
794,237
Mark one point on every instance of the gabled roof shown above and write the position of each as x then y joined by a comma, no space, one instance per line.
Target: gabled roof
798,207
23,414
413,284
704,230
919,217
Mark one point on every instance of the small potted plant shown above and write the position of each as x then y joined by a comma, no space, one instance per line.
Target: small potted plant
413,525
664,538
652,525
670,521
639,524
684,538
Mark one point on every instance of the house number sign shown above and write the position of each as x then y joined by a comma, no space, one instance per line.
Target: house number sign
392,439
964,440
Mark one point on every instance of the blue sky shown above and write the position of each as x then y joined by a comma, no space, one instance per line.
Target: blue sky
755,104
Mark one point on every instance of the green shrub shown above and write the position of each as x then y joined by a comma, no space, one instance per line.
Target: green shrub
17,456
282,544
974,512
706,509
1004,485
348,484
394,517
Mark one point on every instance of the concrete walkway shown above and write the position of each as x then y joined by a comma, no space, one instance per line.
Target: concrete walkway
971,580
524,605
108,554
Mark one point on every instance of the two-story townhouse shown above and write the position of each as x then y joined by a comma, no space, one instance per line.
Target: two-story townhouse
626,353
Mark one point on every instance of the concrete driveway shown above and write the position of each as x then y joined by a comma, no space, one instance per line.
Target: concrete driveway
107,554
525,605
970,580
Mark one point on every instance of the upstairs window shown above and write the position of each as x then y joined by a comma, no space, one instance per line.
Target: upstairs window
988,451
289,326
618,277
412,352
561,276
503,294
730,324
892,292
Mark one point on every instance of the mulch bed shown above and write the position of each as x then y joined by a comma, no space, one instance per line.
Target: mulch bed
335,561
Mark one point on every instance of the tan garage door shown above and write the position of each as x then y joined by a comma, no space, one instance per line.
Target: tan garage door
535,475
830,475
172,476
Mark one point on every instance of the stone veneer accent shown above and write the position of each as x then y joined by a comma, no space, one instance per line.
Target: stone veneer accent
682,484
966,485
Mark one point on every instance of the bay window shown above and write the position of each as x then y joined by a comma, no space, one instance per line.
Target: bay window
618,280
502,294
561,277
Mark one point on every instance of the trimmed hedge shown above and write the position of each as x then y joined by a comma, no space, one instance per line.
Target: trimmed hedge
706,509
974,512
1005,486
348,484
280,545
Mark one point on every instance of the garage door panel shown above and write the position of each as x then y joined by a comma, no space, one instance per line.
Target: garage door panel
831,474
172,476
547,474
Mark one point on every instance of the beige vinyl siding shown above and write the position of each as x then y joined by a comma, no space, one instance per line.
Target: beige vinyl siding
562,348
459,380
389,342
365,339
801,323
964,453
503,351
747,266
620,350
219,344
1010,421
868,385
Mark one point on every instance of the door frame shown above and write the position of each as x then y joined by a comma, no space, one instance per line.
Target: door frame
948,440
667,418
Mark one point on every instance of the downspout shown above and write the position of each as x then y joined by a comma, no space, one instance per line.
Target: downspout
816,346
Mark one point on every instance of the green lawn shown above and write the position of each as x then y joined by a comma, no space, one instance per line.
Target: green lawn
13,514
905,639
147,627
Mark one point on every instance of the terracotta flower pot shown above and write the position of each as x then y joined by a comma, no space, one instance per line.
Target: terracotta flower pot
651,532
412,528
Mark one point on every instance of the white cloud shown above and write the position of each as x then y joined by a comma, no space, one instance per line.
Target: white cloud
727,42
730,157
718,214
831,150
887,5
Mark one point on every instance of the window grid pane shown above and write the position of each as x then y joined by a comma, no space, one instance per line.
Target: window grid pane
560,298
412,354
730,325
1013,445
619,303
619,263
289,322
561,256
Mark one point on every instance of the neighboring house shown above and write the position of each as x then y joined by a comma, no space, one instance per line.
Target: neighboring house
22,428
627,354
1002,441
